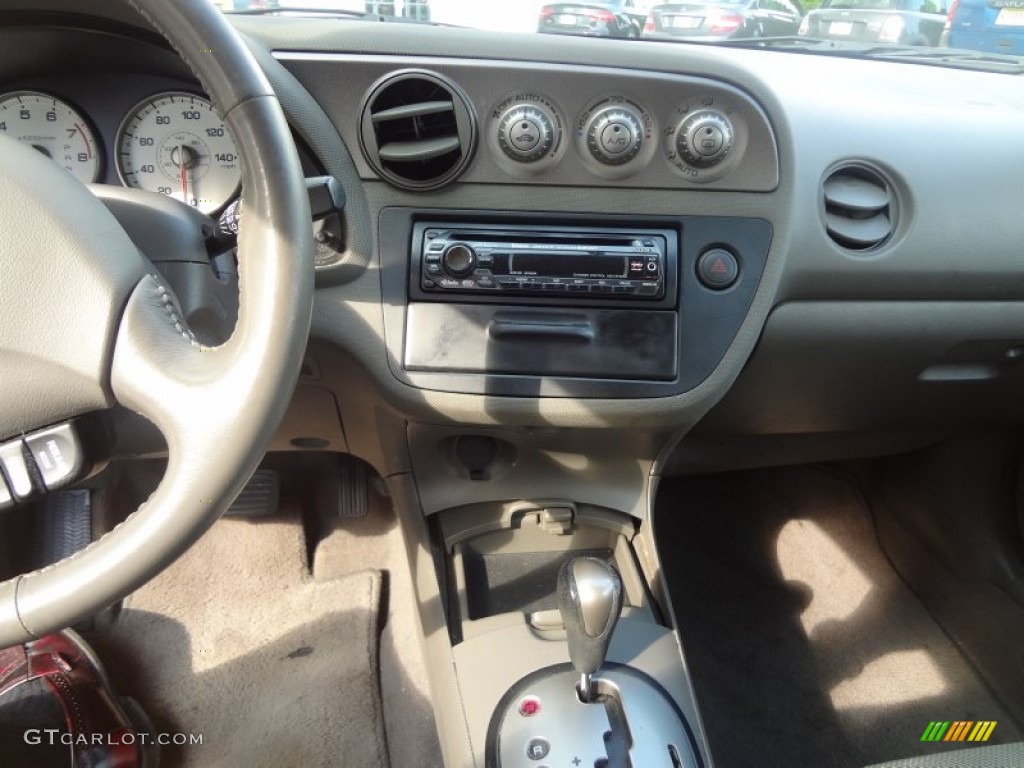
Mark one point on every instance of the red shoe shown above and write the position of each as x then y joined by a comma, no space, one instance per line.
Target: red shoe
98,730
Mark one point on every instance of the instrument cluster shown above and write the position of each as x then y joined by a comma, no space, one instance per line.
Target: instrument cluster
171,142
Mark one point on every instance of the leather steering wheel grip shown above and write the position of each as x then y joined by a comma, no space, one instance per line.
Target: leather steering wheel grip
217,407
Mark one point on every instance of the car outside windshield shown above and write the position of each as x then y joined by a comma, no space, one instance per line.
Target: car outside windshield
978,34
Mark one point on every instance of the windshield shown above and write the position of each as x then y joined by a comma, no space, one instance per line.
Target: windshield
964,33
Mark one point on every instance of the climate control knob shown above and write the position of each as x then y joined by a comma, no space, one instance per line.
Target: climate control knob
525,133
614,135
704,138
458,260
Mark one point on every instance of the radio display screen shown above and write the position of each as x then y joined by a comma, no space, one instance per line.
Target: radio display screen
567,265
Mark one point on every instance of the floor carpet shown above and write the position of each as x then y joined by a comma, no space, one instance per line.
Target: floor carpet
805,647
239,643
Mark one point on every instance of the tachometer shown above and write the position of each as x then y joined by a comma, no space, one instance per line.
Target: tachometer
176,144
53,127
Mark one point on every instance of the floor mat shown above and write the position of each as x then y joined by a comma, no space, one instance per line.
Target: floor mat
237,643
805,646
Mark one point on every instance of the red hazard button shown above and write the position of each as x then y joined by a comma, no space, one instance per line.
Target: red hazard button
717,269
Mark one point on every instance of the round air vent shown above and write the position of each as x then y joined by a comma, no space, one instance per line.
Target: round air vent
859,208
417,130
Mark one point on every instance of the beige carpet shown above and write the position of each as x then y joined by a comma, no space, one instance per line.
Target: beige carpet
408,715
239,643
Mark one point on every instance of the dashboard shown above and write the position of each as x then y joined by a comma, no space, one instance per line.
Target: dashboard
873,259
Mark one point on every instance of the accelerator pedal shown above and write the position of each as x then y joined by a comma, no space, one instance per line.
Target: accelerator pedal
353,498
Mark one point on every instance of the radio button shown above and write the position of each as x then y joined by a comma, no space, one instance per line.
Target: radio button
459,260
484,281
579,288
429,283
648,289
622,289
485,259
433,269
554,287
437,245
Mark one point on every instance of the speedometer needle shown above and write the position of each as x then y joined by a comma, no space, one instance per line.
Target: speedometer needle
184,174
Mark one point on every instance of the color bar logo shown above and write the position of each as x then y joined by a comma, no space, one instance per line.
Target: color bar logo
958,730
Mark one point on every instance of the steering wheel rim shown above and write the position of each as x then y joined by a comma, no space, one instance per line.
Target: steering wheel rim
216,407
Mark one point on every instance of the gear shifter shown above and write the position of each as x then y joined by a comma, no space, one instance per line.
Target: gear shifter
590,601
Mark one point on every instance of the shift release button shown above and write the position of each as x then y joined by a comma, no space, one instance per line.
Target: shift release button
57,454
13,459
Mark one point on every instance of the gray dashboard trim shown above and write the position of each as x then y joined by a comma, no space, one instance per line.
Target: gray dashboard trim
574,91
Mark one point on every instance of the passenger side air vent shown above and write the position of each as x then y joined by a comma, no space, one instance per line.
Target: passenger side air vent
859,208
417,130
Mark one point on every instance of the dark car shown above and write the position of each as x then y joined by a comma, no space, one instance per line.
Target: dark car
908,22
713,21
994,26
620,18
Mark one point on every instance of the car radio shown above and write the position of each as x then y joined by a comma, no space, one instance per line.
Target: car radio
571,262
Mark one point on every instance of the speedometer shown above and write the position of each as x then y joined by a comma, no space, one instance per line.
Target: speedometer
176,144
54,128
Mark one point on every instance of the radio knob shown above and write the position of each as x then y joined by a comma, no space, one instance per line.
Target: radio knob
458,260
704,138
525,133
614,135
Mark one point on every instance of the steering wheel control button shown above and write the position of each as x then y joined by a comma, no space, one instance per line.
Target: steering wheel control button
58,456
615,135
717,269
15,466
704,138
537,748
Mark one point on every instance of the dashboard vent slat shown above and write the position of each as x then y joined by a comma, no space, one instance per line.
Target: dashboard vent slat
418,130
859,208
409,151
858,233
412,110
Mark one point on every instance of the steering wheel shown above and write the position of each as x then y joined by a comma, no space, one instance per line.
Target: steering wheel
86,323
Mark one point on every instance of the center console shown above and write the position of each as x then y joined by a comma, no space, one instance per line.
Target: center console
558,647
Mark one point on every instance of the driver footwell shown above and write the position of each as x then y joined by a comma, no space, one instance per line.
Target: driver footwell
240,645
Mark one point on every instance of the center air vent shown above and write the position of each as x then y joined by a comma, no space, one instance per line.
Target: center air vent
417,130
859,208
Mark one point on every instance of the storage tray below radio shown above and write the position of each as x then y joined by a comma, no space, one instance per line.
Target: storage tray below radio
542,341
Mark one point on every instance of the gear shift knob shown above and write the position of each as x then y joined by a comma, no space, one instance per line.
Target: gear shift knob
590,601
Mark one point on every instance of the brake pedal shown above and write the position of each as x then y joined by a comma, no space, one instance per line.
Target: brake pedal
261,496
